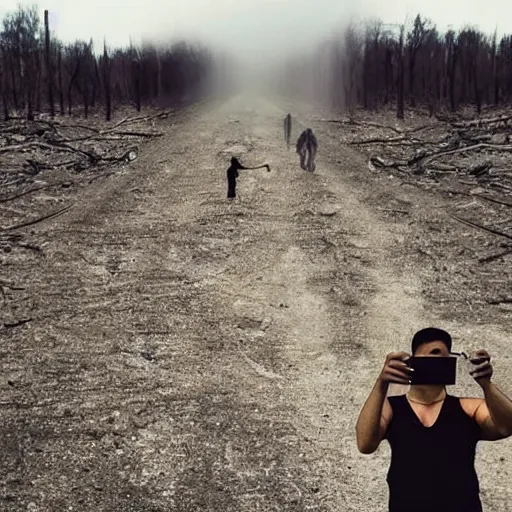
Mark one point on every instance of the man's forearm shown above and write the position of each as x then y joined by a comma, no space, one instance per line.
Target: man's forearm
500,408
368,423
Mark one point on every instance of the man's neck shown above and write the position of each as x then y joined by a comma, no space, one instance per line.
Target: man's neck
427,394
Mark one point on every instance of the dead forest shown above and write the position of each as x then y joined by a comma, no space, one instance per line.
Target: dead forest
433,110
50,90
41,74
428,107
406,66
71,114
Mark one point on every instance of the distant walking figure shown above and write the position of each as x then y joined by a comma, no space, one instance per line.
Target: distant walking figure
306,147
287,129
232,175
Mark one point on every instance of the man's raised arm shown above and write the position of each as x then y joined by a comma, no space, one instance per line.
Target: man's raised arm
376,413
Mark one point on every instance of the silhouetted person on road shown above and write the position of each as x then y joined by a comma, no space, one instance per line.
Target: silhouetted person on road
287,129
232,175
306,148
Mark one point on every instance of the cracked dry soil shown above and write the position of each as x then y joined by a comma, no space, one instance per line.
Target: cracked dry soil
190,354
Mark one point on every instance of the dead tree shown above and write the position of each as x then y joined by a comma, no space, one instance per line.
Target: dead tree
136,77
401,75
61,89
415,40
106,82
49,71
4,81
452,57
494,64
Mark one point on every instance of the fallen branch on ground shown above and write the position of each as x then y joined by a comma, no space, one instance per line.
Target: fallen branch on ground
361,123
496,256
36,189
39,219
381,140
128,120
491,199
504,300
479,122
478,226
5,284
60,147
391,210
17,324
497,147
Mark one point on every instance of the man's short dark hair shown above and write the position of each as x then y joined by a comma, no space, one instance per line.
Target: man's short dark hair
430,334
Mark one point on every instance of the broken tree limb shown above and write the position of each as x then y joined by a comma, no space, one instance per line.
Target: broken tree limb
39,219
504,300
5,284
53,147
421,128
479,122
362,123
496,256
478,226
21,194
392,210
128,120
139,134
16,324
378,162
491,199
474,147
377,140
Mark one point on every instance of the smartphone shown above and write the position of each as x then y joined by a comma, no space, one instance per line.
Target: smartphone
433,370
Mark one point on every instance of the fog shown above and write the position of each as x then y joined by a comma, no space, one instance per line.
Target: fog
256,29
258,33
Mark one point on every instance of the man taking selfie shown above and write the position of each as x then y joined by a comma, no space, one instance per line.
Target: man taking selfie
432,434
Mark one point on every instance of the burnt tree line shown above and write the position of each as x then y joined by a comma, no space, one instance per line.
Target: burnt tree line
376,65
39,73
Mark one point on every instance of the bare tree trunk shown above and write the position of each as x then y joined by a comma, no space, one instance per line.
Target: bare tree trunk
401,76
388,75
39,80
4,83
495,88
31,81
106,83
125,80
159,78
49,73
71,82
61,90
137,85
412,97
13,83
96,82
451,84
478,97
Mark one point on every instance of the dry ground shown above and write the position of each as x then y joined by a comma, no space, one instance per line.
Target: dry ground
189,354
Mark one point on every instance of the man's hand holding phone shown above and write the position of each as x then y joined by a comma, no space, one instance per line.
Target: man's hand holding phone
395,369
481,369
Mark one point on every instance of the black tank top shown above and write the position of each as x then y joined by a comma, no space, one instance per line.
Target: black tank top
432,469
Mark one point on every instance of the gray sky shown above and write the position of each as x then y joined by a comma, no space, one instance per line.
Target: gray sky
256,27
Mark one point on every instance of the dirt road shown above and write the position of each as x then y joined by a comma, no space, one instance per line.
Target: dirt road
190,354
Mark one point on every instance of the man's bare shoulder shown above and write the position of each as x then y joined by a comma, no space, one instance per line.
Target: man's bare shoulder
470,405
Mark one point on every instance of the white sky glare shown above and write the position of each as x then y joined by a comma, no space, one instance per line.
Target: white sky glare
252,27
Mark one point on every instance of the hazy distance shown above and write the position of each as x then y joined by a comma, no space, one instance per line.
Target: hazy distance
256,29
256,32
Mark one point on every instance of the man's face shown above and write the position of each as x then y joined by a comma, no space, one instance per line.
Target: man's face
432,349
